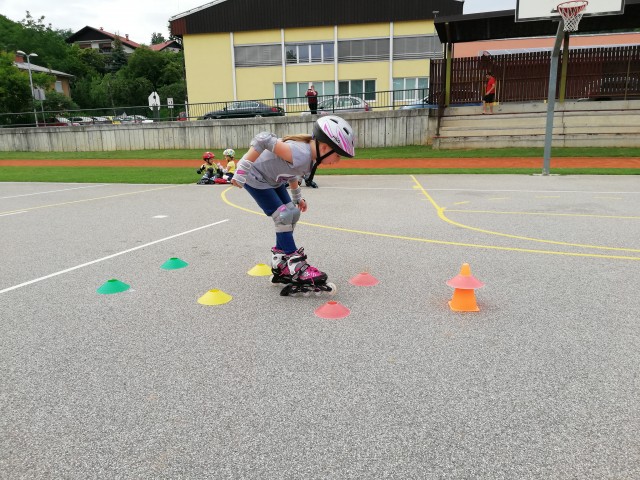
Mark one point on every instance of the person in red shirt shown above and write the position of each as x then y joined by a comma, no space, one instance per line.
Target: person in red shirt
312,98
489,93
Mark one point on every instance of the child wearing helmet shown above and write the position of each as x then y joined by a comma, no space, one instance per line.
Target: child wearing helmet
264,171
229,156
208,168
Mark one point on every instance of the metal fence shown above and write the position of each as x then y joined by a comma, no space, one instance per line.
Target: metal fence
366,101
592,74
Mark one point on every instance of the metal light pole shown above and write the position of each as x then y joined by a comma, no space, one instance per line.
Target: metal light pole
33,97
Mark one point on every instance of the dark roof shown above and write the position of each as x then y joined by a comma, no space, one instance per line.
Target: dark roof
245,15
88,34
502,24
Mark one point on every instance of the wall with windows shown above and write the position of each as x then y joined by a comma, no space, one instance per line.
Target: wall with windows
261,60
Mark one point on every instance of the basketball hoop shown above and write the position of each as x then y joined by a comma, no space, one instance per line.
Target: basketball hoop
572,14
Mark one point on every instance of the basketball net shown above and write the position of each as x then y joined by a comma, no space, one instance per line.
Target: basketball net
572,14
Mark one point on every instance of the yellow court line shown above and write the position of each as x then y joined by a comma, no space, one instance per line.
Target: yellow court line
223,195
87,200
444,218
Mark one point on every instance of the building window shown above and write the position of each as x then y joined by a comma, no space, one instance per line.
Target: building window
370,50
58,87
358,88
309,53
424,46
296,90
410,89
258,55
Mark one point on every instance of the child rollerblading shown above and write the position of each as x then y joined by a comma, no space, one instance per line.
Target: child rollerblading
263,171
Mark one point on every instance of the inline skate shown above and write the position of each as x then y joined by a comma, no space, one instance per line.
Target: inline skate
297,275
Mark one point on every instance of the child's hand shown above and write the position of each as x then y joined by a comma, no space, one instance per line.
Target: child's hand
302,205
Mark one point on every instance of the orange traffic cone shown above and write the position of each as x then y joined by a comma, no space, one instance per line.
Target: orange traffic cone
464,297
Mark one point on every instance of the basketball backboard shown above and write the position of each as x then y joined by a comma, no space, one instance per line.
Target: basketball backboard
527,10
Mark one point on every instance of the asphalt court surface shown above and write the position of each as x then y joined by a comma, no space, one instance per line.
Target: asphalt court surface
540,383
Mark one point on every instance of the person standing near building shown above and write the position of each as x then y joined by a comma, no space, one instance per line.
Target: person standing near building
312,98
489,93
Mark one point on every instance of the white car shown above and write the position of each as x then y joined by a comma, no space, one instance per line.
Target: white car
133,119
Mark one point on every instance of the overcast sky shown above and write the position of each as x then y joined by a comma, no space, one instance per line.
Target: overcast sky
138,18
141,18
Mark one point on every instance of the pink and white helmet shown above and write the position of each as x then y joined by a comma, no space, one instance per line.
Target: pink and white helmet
337,133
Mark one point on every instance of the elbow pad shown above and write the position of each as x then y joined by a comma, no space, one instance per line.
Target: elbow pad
264,141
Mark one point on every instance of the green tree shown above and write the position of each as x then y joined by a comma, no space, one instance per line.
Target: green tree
118,57
157,38
15,91
147,63
57,102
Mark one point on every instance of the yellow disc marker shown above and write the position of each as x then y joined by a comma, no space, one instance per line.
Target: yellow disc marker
260,270
215,297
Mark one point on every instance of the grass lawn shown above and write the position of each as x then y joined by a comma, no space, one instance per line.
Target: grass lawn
188,175
412,151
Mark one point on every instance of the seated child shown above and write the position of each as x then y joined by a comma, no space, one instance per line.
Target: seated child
229,156
208,168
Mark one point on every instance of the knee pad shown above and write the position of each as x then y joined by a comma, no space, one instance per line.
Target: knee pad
286,217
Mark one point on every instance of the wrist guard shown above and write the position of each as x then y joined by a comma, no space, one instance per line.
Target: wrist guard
264,141
243,168
296,195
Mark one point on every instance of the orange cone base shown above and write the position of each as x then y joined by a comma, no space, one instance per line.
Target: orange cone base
260,270
214,297
463,301
364,279
332,310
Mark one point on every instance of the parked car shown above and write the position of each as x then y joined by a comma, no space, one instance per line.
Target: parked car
343,103
82,120
245,109
613,87
102,120
132,119
58,122
424,103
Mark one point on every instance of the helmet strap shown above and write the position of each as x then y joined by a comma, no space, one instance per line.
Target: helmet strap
319,158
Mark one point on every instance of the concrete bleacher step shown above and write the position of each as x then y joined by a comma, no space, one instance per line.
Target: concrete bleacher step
538,130
512,125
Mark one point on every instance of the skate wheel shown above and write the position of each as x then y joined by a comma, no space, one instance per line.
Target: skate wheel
273,282
333,288
306,293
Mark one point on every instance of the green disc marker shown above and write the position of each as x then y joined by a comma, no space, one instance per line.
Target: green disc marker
113,286
174,263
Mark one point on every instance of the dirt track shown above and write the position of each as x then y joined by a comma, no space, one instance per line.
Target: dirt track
516,162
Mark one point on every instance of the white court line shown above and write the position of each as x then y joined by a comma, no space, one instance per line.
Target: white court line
11,213
108,257
54,191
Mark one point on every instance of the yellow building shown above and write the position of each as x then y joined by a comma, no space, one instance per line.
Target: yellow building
268,49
